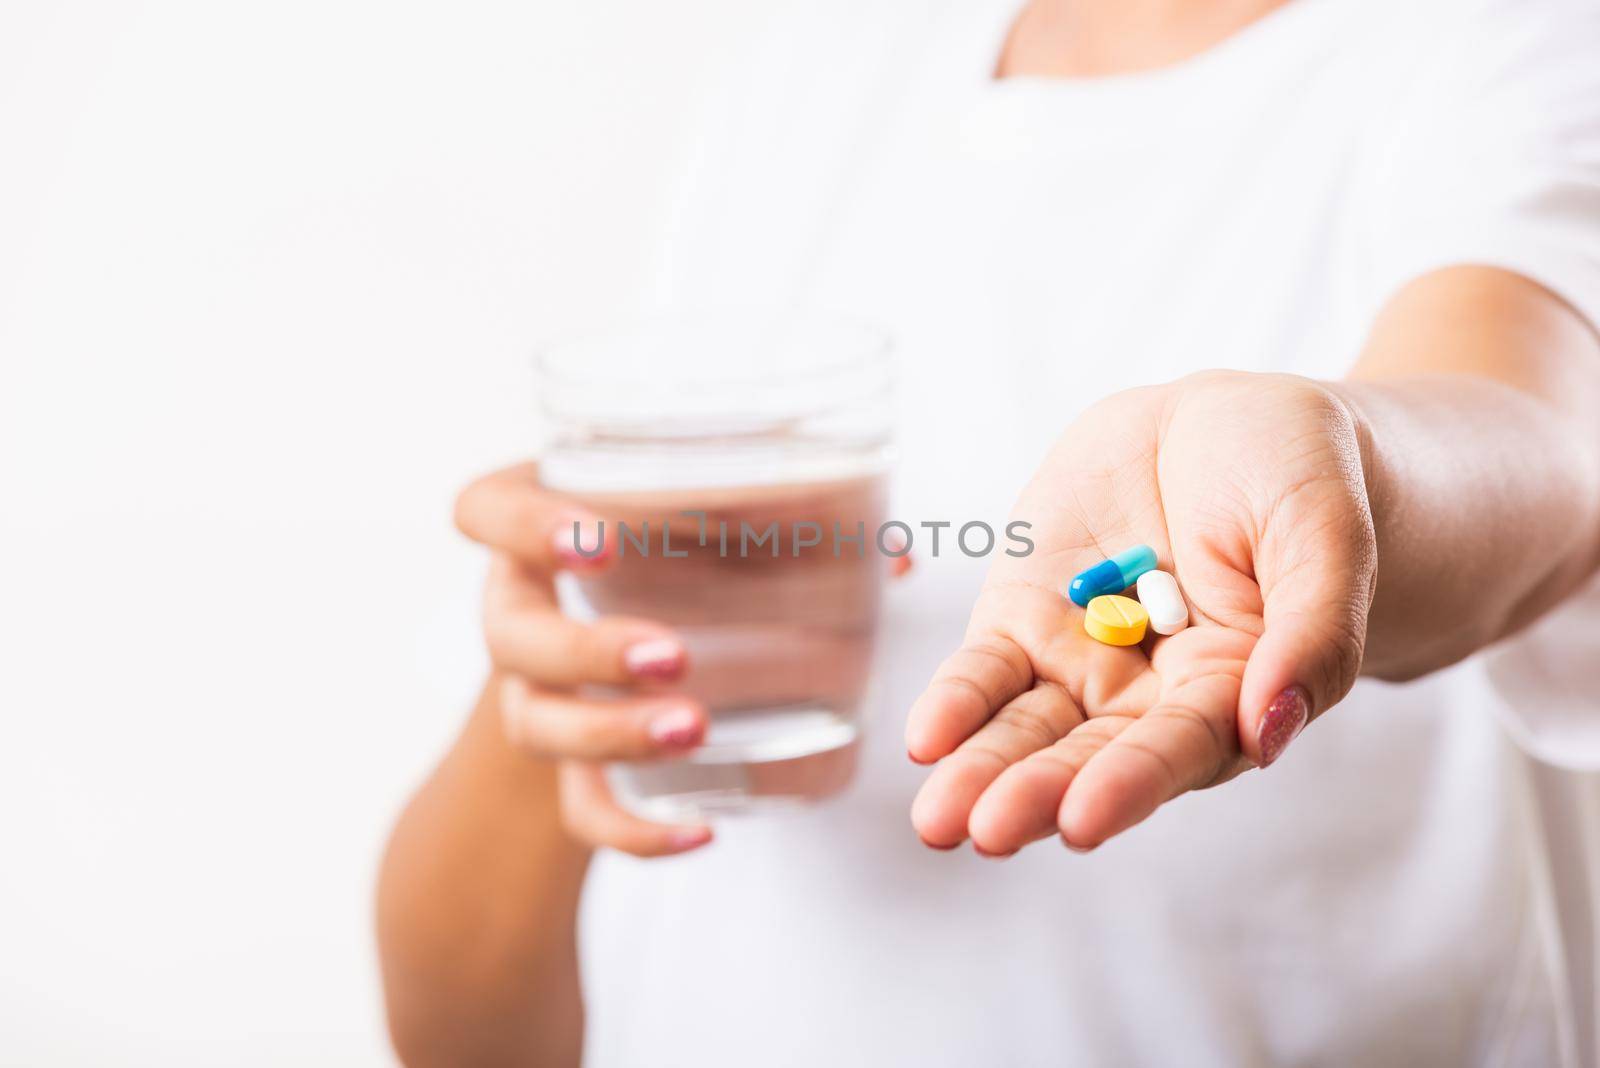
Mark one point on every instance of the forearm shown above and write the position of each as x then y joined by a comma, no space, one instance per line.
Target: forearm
1478,404
1486,508
477,902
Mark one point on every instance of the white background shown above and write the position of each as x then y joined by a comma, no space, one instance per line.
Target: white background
269,274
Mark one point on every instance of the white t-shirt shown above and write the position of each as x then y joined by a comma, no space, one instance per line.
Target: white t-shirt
1414,882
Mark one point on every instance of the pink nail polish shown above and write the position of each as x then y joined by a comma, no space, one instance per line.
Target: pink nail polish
580,542
657,658
689,838
1283,720
676,729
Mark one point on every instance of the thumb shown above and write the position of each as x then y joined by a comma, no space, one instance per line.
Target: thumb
1309,654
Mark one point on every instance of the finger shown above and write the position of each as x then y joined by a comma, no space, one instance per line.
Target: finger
1024,803
1033,721
515,586
968,687
509,510
557,725
556,651
591,814
1188,741
1309,655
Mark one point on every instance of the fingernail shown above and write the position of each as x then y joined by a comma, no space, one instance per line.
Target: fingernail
676,729
580,542
894,545
915,760
982,852
657,658
689,838
1284,718
1077,848
940,848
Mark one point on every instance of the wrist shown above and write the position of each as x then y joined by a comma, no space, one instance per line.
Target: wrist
1352,397
1486,511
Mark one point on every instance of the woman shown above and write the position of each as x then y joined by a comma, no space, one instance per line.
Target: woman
1383,220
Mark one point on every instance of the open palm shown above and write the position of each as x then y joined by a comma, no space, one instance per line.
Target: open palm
1250,489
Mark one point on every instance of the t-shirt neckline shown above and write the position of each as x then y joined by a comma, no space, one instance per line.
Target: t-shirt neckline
1249,40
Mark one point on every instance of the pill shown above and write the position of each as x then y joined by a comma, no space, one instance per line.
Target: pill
1159,593
1111,576
1116,620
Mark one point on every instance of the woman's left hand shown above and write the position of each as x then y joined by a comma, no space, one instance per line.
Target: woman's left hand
1251,490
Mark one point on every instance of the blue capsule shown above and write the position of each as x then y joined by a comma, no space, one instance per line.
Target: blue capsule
1112,576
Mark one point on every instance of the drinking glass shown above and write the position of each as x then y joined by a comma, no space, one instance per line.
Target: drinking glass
739,463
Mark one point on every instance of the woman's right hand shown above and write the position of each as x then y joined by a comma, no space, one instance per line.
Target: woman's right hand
545,662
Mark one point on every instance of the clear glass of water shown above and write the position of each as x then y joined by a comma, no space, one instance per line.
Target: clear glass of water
739,461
